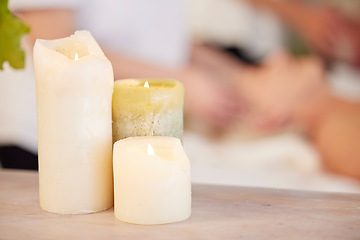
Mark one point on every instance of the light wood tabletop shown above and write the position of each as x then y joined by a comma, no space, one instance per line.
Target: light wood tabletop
218,212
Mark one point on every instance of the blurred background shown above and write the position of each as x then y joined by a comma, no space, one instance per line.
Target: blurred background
272,86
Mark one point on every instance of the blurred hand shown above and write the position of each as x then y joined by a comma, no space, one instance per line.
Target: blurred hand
348,46
277,90
207,99
329,33
320,26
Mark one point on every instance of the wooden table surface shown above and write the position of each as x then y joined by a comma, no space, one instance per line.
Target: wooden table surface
218,212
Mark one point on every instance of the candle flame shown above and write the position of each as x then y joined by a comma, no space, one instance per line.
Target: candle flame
76,57
150,150
146,84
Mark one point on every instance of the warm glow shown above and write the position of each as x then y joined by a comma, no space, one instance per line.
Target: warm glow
76,57
150,150
146,84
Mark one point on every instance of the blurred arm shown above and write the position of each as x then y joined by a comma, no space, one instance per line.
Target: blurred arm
321,26
48,24
334,127
59,23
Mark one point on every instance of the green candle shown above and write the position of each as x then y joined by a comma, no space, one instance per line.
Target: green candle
147,107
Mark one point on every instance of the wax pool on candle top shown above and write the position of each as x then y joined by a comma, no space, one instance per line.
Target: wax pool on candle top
152,182
147,107
74,85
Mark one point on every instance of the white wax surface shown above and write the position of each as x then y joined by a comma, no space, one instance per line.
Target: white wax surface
74,125
151,189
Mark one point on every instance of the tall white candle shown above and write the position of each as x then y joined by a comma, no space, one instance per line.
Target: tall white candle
151,180
74,85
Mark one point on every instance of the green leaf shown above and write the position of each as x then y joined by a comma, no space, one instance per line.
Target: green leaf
11,30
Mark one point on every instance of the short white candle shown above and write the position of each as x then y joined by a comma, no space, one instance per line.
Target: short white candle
74,85
151,180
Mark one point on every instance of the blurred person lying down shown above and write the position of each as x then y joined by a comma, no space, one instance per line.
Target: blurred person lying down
283,90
